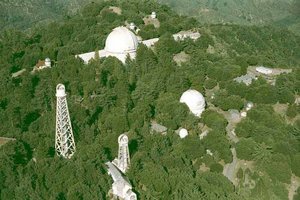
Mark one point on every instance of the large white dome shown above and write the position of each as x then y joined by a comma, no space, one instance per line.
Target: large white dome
121,41
194,100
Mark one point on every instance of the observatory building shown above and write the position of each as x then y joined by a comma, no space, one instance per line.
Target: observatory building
194,100
120,187
42,64
120,43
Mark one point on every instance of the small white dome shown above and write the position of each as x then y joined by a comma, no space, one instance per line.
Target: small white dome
194,100
60,90
123,139
47,62
132,26
249,106
153,15
183,133
121,41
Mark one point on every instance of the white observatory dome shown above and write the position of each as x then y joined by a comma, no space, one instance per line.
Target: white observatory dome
194,100
47,62
121,41
123,139
183,133
60,90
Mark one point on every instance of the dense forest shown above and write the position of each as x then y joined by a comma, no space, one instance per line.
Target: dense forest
107,98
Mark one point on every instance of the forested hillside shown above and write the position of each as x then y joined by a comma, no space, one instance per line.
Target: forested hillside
25,14
107,98
283,13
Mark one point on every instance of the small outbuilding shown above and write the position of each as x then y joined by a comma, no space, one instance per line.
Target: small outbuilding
157,128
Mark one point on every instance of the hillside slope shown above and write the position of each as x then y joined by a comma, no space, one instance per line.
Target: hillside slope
284,13
24,14
253,12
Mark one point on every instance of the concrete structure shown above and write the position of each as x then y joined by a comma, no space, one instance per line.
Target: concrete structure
264,70
194,100
234,115
157,128
203,134
18,73
64,139
182,35
121,187
151,42
123,160
247,79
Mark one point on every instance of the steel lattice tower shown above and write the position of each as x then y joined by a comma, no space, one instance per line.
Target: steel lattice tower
64,139
123,155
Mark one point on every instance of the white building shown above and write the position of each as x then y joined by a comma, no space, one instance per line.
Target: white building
194,35
153,15
247,79
194,100
264,70
249,105
42,64
120,187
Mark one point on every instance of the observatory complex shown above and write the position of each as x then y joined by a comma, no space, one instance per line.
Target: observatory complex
122,43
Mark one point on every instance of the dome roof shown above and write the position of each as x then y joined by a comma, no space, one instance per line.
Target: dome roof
123,139
121,41
183,133
194,100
